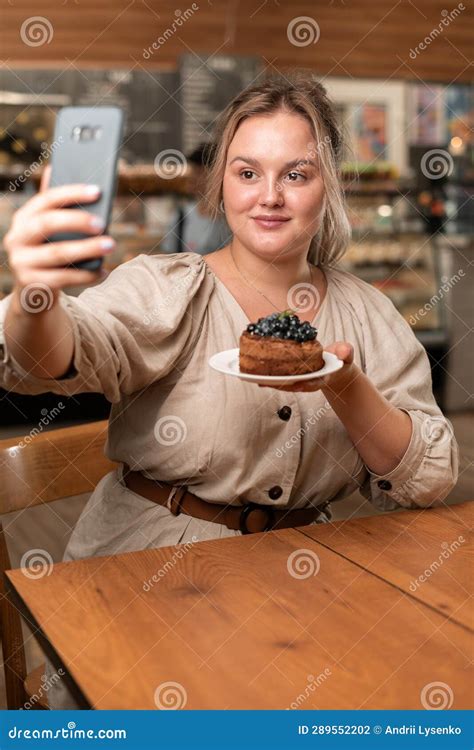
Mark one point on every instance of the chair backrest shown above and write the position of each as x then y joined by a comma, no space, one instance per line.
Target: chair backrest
40,468
36,469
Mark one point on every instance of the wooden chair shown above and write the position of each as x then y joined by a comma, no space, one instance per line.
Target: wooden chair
54,464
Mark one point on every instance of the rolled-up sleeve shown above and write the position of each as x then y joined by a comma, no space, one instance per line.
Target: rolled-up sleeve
398,365
129,331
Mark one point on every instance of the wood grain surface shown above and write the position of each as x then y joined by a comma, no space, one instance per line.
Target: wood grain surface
265,621
71,465
430,557
361,38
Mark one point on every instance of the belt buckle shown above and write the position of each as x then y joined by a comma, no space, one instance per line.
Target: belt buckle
245,512
175,499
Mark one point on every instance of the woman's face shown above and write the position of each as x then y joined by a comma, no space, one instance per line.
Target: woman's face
273,192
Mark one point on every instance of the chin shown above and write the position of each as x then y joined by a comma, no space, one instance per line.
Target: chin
270,243
267,251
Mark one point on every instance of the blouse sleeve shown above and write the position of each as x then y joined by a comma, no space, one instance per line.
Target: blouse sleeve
397,364
129,331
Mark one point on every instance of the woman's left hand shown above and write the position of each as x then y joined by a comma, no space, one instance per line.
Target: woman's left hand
337,381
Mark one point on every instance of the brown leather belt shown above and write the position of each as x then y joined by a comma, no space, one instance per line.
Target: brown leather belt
249,518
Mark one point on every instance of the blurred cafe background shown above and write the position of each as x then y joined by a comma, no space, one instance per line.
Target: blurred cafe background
401,74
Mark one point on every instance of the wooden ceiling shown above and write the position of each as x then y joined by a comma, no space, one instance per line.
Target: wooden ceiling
353,38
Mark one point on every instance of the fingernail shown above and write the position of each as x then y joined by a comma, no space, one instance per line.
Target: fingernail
92,190
97,223
107,244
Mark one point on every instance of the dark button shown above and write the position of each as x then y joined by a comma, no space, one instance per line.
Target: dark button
284,413
385,485
275,492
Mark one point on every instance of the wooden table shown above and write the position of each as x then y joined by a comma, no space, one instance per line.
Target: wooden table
325,616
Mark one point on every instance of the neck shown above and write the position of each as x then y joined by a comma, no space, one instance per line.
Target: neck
278,273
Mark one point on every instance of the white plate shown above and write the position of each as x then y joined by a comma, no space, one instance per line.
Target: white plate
228,363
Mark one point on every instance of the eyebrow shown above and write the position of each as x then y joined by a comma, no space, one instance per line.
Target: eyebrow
288,165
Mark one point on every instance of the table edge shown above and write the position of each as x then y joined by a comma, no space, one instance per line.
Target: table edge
17,601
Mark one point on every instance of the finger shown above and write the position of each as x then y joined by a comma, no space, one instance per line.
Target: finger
41,226
63,253
45,178
58,197
343,351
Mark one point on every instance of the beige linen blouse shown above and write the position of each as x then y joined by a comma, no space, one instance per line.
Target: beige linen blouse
144,336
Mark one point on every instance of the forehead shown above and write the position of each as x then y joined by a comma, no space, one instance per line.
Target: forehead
284,135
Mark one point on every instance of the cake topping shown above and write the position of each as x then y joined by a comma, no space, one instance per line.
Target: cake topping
284,325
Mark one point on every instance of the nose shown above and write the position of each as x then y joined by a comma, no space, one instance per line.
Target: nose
272,193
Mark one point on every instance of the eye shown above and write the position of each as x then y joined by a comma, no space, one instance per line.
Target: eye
247,172
293,176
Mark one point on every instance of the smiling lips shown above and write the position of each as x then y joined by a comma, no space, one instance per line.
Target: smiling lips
271,221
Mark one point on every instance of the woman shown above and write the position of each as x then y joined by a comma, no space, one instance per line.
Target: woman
145,335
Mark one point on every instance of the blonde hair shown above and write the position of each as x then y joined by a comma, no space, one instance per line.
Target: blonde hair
296,92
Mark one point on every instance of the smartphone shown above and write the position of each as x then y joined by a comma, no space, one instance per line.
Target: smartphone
85,149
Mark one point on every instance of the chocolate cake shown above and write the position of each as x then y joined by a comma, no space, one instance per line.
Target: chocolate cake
280,344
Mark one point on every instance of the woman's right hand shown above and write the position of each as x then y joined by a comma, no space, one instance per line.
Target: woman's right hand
32,260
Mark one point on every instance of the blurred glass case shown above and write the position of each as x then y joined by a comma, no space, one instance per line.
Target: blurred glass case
390,250
25,132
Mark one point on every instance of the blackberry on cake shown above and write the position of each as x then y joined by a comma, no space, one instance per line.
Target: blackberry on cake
280,344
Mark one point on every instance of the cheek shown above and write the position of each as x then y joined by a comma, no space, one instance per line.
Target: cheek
238,196
307,205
